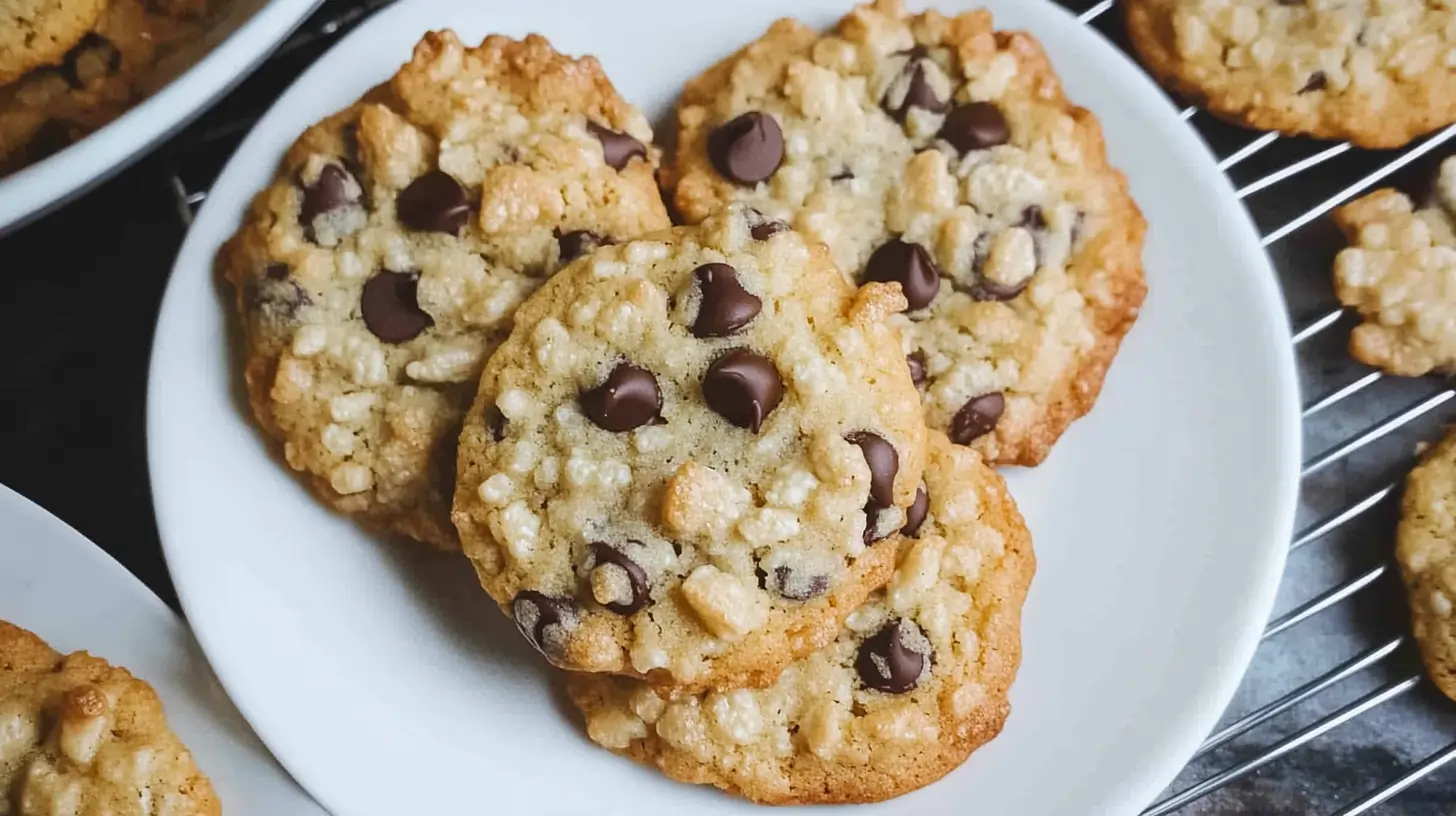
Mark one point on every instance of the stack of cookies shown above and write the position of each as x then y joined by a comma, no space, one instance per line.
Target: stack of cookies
733,475
68,67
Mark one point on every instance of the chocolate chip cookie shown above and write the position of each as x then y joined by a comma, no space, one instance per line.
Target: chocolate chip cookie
80,736
386,260
1399,273
940,154
40,32
1425,548
1376,73
688,459
916,681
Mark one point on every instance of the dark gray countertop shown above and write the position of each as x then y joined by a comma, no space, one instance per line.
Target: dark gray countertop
80,288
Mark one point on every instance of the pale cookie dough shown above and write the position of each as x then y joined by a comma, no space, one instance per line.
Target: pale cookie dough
1399,273
1425,548
387,258
79,737
1376,72
941,154
687,461
916,681
40,32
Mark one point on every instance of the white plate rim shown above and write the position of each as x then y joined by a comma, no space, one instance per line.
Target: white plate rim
1204,712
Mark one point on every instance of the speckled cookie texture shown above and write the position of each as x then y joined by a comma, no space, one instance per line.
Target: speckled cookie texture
385,262
83,738
1426,551
687,461
915,682
40,32
940,154
97,80
1399,273
1375,72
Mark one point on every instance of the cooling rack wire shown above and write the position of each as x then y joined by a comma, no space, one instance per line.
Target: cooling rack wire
1290,186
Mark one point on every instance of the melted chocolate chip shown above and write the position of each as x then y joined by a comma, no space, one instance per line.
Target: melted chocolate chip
277,298
577,243
743,387
884,463
1318,81
391,307
843,175
726,307
977,417
976,126
747,149
434,202
276,271
628,399
636,577
908,264
1033,218
536,613
327,194
761,227
93,50
873,530
916,362
918,93
893,659
617,148
789,583
915,514
496,422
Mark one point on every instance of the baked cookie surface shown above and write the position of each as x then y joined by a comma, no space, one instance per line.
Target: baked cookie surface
1375,72
915,682
79,736
1399,273
40,32
688,459
1425,548
940,154
385,262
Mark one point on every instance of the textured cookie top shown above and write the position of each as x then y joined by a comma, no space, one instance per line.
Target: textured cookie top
1377,72
82,738
1400,274
1426,551
386,260
686,461
940,154
916,680
40,32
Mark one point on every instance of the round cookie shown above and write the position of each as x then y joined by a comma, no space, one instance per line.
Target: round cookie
1376,73
385,262
1399,273
916,681
940,154
688,459
40,32
78,735
1425,549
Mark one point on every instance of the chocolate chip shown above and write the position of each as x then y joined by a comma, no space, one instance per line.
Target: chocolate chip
743,387
884,463
843,175
617,148
916,362
908,264
93,50
873,530
892,659
725,306
391,307
915,514
748,148
1033,218
977,417
276,298
1318,81
627,400
276,271
794,585
637,584
761,227
496,422
976,126
918,93
985,289
538,614
434,202
577,243
327,194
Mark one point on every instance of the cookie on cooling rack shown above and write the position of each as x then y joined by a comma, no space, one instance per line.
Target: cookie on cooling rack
941,154
916,681
1399,273
687,461
386,260
1377,74
78,735
1425,548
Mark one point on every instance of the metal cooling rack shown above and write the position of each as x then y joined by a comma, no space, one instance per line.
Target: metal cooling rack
1341,599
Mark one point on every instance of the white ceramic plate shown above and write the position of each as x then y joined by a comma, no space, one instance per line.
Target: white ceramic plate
62,587
1160,521
236,39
